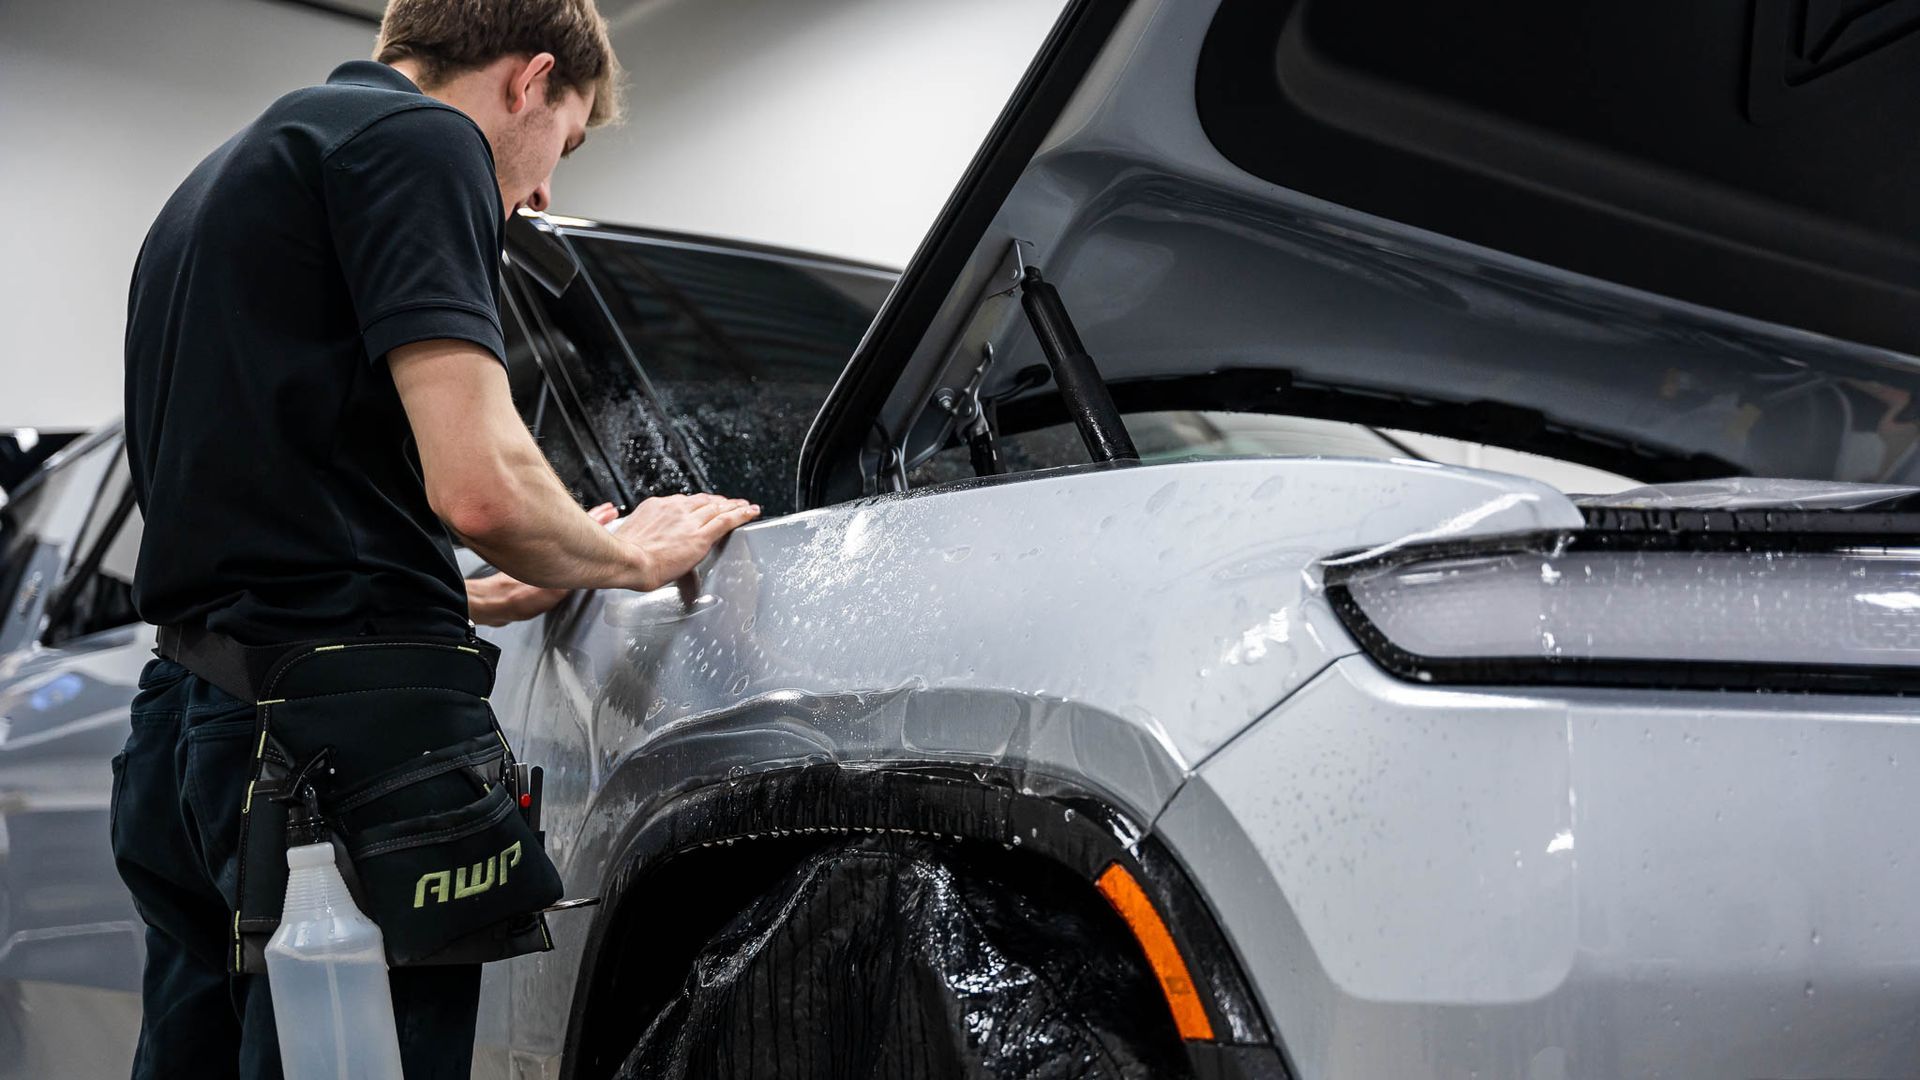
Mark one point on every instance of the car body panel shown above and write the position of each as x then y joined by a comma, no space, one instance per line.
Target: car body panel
1107,628
1585,883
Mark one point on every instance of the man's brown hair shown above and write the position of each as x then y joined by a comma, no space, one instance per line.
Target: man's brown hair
448,37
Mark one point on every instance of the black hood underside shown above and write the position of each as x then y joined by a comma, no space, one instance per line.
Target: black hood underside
1757,156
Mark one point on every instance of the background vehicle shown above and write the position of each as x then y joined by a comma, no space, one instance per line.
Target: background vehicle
1390,823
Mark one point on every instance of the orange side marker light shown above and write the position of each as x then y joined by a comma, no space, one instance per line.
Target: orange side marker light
1127,898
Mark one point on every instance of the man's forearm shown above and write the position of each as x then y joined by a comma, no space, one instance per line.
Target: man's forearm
489,482
500,600
535,533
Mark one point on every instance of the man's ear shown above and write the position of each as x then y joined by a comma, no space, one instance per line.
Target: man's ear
525,77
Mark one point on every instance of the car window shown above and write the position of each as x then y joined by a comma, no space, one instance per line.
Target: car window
722,357
38,526
1174,435
95,592
579,466
591,369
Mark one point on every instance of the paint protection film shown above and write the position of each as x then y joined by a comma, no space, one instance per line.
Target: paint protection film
894,959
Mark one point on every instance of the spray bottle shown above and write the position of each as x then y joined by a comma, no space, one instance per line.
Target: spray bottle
327,967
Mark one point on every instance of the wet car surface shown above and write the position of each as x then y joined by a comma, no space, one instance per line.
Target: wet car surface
1485,665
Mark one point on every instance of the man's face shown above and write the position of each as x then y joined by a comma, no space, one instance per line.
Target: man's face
534,141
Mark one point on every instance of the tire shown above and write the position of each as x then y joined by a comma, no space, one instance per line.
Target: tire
892,959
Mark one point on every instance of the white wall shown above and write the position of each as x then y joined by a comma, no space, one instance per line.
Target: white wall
834,125
105,105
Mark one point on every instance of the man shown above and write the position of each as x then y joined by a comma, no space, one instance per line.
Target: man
315,397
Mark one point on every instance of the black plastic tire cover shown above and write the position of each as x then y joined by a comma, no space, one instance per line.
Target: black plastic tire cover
892,958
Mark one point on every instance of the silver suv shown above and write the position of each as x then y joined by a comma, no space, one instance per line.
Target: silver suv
1371,540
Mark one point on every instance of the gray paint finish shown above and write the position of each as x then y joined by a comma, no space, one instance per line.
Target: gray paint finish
1105,627
1418,882
1432,882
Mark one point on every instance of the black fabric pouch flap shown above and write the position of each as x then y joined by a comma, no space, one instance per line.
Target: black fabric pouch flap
439,877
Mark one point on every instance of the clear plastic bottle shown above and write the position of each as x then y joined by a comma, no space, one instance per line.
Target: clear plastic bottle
327,967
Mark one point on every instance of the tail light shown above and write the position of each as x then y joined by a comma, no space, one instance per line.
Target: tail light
1643,610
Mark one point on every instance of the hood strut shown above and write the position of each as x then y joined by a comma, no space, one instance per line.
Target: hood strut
1082,391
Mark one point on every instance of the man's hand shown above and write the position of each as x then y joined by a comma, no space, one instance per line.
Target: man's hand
500,599
676,531
673,532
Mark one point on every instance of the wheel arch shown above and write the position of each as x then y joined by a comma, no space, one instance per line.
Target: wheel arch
692,862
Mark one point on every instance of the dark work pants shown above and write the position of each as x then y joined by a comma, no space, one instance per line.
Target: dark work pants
177,789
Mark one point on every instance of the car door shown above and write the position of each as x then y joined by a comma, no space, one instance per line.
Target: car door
686,364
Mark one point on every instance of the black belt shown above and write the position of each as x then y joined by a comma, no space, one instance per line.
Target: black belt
238,669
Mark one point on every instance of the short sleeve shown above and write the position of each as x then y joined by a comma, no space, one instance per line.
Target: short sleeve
415,214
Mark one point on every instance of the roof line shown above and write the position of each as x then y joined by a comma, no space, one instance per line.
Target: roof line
336,8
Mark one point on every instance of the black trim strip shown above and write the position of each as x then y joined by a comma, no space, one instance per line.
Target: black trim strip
725,246
1760,528
1645,674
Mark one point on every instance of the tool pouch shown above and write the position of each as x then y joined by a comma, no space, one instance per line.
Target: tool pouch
416,782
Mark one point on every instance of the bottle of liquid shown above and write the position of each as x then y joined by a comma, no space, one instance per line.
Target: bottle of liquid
327,967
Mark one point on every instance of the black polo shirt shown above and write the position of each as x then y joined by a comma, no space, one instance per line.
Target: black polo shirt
270,453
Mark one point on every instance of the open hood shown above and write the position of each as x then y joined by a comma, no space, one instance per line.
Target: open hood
1675,241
